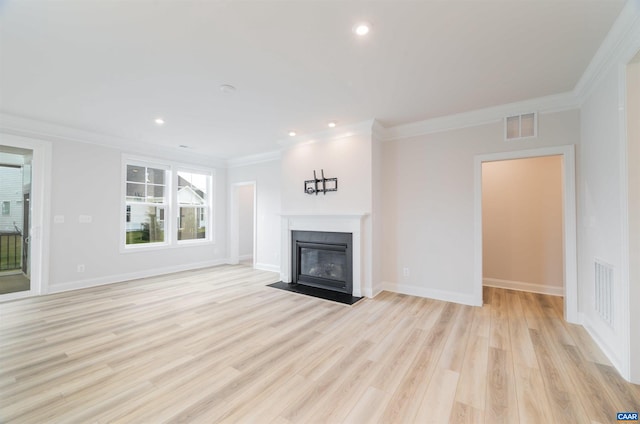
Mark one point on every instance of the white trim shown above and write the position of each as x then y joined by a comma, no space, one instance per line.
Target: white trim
621,297
364,127
569,220
443,295
40,198
171,206
245,257
267,267
253,159
620,44
31,128
118,278
522,286
210,203
548,104
602,344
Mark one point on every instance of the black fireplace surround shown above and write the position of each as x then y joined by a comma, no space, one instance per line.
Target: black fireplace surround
323,260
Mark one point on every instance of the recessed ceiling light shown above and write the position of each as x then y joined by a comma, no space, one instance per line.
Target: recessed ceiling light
362,29
159,121
227,88
332,124
292,133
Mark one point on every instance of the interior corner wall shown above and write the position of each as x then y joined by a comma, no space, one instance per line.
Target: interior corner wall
87,180
377,219
267,176
245,220
428,208
522,223
600,220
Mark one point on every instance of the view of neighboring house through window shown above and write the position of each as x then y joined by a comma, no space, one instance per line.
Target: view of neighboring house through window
146,204
165,205
193,205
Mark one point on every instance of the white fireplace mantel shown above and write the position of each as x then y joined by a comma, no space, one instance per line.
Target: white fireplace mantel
343,223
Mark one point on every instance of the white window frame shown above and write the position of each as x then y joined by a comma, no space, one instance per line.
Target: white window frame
208,203
147,163
172,208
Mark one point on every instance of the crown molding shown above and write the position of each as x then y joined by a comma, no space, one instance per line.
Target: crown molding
31,128
253,159
378,131
342,131
620,44
547,104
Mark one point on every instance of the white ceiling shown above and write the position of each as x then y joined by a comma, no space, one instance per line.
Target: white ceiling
114,66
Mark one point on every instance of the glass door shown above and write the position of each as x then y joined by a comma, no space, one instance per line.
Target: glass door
15,217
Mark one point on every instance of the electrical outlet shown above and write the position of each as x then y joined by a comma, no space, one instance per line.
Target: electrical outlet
81,268
405,272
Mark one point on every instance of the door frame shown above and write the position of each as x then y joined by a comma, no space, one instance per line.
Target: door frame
570,264
234,221
40,198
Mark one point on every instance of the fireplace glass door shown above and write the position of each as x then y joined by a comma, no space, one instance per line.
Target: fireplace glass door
323,261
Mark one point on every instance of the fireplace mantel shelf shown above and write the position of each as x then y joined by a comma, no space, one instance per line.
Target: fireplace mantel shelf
324,215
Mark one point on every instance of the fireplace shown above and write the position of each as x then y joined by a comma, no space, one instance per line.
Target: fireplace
323,260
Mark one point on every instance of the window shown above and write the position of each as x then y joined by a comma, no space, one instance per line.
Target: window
146,203
193,205
6,207
157,195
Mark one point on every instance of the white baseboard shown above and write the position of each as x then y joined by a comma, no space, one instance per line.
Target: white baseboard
522,286
378,289
267,267
245,257
444,295
603,345
118,278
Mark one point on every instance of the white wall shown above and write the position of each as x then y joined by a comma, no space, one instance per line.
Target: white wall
428,208
267,176
522,224
347,158
86,180
245,220
633,163
600,220
350,159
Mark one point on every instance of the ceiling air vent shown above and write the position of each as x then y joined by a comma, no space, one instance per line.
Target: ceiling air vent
522,126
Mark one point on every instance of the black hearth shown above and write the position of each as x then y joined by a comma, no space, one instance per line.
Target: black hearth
322,260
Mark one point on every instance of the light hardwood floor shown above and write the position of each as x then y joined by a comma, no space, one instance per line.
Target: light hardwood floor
217,345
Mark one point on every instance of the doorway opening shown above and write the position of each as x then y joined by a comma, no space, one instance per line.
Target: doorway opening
15,219
28,160
566,270
243,223
522,225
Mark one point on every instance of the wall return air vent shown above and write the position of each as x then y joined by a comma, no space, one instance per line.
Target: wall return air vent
603,295
518,127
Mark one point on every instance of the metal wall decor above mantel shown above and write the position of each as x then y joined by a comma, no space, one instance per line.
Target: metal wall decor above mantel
320,185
